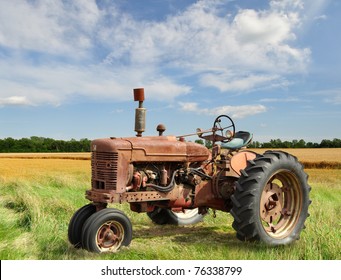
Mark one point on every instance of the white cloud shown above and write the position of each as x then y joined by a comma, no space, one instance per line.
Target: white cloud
320,17
189,106
15,101
199,39
236,112
165,89
332,96
313,11
281,5
263,28
50,27
250,51
247,51
224,82
336,99
55,84
288,99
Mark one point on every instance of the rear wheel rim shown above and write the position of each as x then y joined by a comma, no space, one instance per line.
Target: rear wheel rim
187,213
281,204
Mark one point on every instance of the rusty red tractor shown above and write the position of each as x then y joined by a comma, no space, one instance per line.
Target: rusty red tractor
176,182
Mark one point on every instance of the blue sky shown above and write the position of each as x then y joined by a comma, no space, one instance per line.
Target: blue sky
68,68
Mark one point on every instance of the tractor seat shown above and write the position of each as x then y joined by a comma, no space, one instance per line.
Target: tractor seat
240,139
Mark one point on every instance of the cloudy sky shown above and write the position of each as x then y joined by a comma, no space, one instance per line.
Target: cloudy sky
68,68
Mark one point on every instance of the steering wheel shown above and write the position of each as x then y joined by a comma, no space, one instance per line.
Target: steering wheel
224,128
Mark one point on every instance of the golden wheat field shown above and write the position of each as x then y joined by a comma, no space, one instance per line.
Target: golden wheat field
35,165
329,158
306,155
312,155
35,168
78,156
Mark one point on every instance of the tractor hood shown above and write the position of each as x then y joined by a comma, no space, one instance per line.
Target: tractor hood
152,149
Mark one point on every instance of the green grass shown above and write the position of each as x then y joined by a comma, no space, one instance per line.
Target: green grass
34,217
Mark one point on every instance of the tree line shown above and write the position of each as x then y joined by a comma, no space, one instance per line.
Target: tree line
37,144
278,143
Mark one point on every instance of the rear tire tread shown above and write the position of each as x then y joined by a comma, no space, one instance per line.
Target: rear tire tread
245,200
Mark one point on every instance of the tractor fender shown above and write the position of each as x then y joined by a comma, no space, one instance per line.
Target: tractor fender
240,159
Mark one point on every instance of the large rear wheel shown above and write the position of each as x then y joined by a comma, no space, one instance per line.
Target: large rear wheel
271,200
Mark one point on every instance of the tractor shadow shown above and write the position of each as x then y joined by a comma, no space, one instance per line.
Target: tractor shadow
190,235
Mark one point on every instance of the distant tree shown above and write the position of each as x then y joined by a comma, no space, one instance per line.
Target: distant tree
9,144
255,144
276,143
199,141
266,145
301,144
84,145
325,143
208,144
309,145
294,143
286,144
41,144
336,143
24,145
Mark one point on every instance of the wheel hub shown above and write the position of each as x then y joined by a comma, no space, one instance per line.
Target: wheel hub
271,205
110,235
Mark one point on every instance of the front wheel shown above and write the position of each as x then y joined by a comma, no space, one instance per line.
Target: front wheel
106,231
162,216
76,223
271,200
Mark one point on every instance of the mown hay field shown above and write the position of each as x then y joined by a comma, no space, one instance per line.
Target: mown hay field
76,156
312,155
315,158
305,155
40,192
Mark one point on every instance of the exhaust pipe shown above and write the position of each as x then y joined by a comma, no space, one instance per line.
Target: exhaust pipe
140,112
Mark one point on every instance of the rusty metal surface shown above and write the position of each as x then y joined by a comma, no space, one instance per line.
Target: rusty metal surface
115,181
145,171
271,203
104,170
139,94
280,204
110,164
239,160
161,128
153,149
167,148
140,112
205,197
176,196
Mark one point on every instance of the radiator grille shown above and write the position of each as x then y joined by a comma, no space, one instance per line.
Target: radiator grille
104,170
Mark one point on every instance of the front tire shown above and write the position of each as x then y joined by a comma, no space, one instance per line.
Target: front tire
271,200
163,216
106,231
76,224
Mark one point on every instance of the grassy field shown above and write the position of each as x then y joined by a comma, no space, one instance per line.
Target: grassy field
39,194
